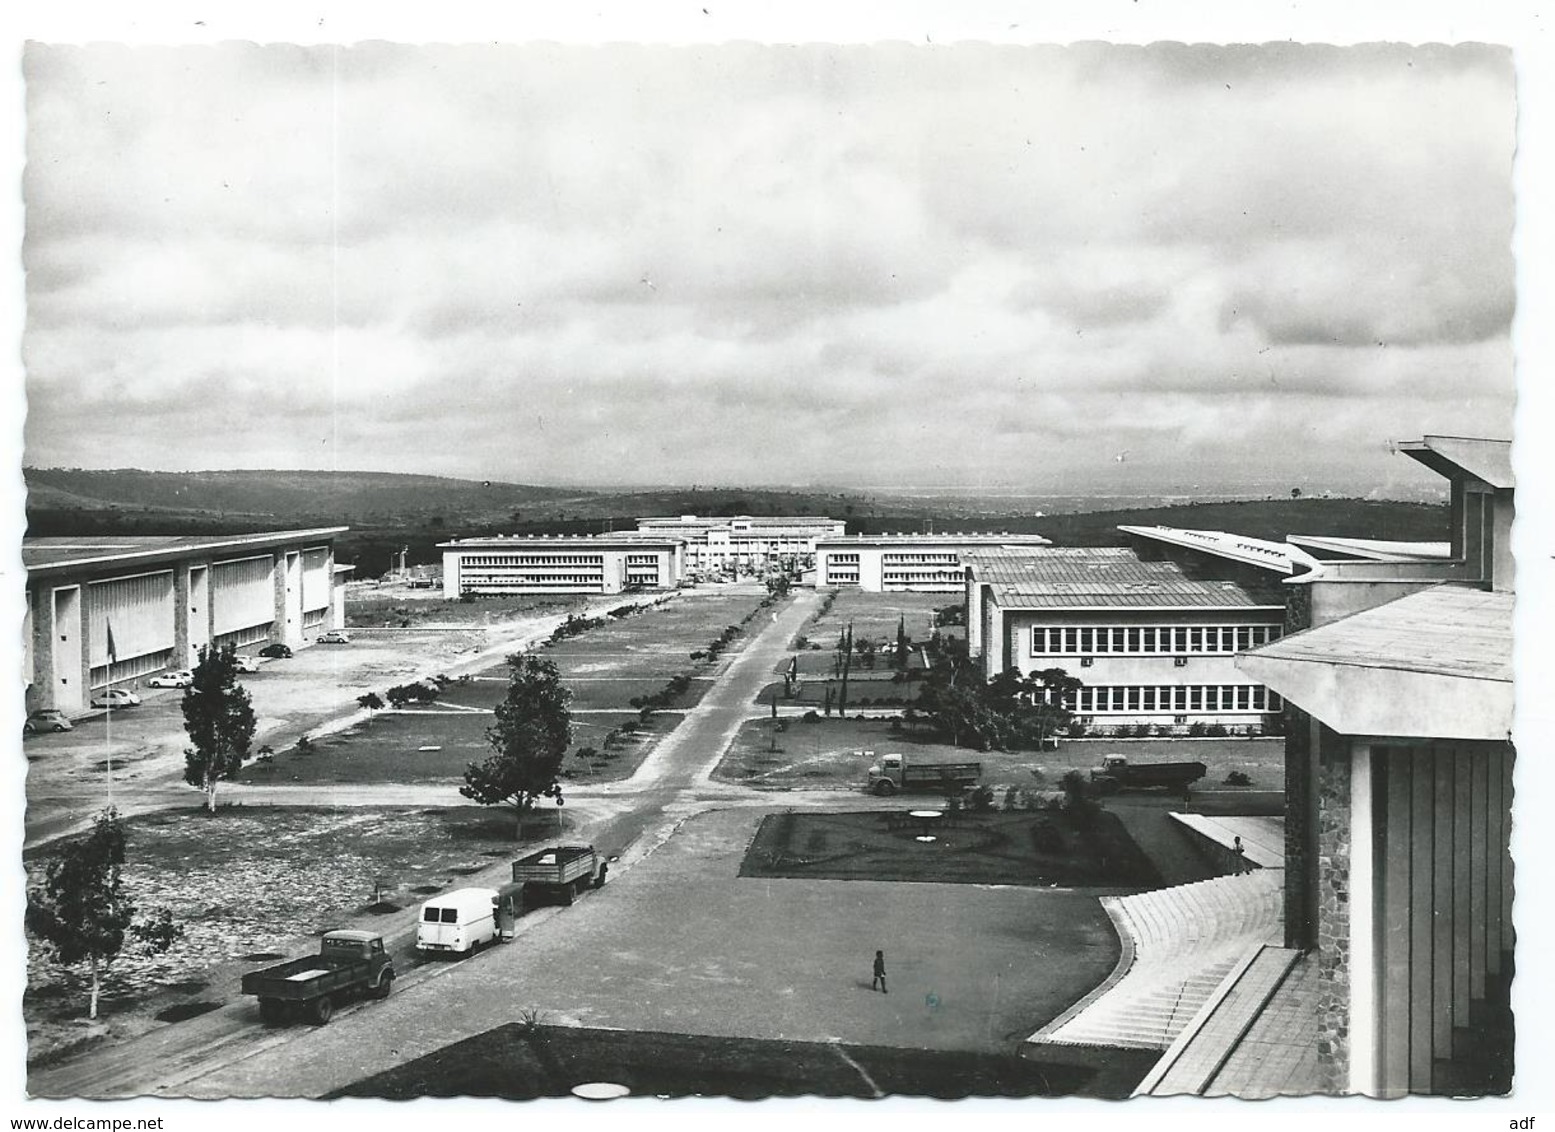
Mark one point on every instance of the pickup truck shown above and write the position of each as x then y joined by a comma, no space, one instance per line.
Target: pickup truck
895,772
348,963
1117,773
562,871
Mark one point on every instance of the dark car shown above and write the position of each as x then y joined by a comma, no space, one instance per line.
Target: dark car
276,651
45,719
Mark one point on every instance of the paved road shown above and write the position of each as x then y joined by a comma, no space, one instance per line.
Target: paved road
628,820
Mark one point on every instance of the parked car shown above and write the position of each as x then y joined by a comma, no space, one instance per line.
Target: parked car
276,651
45,719
333,637
178,678
245,664
115,697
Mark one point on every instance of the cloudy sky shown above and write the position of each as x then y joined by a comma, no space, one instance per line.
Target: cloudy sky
1055,268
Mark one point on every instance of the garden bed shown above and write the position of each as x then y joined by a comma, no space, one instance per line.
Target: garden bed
1035,848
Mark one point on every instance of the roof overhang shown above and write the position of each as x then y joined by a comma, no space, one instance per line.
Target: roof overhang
1454,457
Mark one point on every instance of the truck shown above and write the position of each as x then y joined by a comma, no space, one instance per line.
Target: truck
349,963
1117,773
561,872
896,772
457,922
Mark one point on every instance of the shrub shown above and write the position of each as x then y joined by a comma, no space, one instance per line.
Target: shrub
1196,729
1238,778
1011,799
810,716
1216,731
980,801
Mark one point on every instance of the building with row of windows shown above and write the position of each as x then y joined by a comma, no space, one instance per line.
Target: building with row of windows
1152,641
561,564
105,609
905,563
743,543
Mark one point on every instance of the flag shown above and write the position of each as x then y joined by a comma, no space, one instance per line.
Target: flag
113,652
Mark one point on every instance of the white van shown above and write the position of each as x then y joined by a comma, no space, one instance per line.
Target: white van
458,921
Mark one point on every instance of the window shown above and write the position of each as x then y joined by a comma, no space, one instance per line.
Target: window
1242,691
430,915
1103,639
1228,639
1149,698
1244,639
1180,639
1071,640
1196,697
450,915
1180,698
1258,697
1147,640
1179,662
1133,698
1195,640
1038,641
1087,640
1086,662
1133,640
1117,641
1179,719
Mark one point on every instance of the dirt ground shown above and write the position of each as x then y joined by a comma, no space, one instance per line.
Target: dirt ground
251,885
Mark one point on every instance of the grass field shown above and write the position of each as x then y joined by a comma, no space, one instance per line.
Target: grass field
1029,848
524,1062
876,616
830,752
388,748
377,611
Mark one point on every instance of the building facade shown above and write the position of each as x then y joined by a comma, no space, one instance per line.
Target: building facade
905,563
1399,766
743,543
105,609
560,564
1151,644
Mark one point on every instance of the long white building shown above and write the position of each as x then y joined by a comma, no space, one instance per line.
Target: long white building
918,563
743,542
103,609
1151,642
560,564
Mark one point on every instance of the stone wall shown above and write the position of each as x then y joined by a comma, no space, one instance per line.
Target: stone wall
1333,907
1300,831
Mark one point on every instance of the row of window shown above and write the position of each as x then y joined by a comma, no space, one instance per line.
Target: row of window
912,576
642,560
105,674
924,559
525,579
1156,639
1173,697
531,560
851,559
247,635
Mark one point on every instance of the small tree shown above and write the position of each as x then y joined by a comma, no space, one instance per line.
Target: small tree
219,717
529,740
81,912
372,701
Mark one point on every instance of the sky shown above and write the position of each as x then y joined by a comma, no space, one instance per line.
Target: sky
1062,268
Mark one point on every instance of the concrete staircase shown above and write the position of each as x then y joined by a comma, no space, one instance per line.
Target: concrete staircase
1179,944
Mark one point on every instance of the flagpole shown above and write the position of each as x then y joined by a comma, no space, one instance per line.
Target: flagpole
113,659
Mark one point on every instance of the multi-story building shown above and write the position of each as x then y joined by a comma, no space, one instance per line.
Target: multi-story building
895,563
1152,642
104,609
743,543
560,564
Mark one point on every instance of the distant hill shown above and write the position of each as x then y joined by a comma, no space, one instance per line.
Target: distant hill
386,511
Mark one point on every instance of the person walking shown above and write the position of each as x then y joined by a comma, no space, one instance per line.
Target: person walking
879,979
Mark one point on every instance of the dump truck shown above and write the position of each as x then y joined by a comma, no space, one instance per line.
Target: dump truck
1117,773
349,963
896,772
561,872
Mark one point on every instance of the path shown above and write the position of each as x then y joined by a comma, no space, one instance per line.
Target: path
627,820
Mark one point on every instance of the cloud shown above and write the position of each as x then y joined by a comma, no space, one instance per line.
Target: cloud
743,262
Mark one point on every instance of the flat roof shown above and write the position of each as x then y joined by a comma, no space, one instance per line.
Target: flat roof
62,553
1266,555
1453,456
1433,664
725,520
947,538
634,539
1376,550
1074,577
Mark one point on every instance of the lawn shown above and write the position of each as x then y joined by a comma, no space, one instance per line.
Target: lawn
389,748
1044,848
524,1062
832,752
374,612
876,616
247,882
